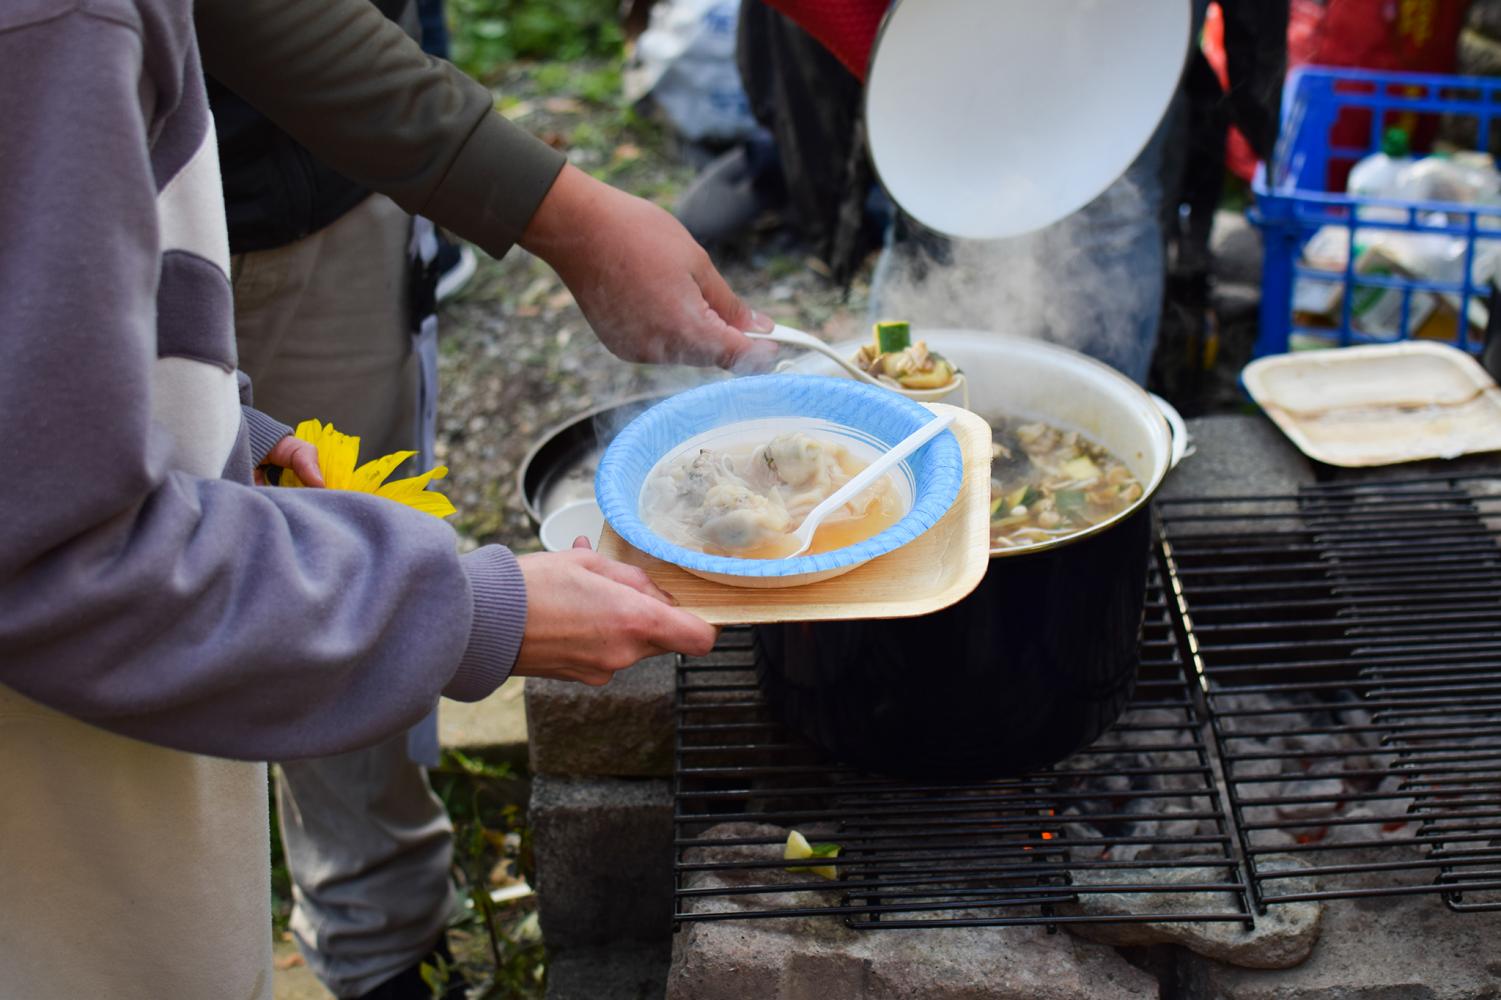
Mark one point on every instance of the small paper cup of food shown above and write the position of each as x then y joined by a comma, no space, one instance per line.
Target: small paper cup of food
717,479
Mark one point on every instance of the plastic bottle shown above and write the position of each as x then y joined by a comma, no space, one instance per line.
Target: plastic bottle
1379,175
1465,179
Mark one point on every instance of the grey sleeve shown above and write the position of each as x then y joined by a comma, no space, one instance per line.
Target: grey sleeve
350,85
264,432
199,614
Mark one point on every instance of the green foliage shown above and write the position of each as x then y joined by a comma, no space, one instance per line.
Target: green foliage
601,86
594,81
281,879
487,34
436,977
457,761
497,943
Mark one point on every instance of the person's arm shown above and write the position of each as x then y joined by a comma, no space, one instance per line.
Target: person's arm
350,85
203,614
271,443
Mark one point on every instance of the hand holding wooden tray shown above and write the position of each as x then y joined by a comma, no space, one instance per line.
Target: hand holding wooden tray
935,570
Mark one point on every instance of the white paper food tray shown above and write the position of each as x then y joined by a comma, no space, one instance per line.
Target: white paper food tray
1380,405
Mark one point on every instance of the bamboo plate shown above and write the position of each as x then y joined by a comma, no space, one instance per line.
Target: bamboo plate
1379,405
928,574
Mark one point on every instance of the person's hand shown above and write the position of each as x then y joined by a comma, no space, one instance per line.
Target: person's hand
646,287
588,616
295,454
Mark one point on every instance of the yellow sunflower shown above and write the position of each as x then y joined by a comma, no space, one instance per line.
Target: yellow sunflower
337,454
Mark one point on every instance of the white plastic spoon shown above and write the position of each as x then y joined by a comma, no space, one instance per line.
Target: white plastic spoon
870,474
797,338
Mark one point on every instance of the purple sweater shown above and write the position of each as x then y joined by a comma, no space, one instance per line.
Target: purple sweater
145,586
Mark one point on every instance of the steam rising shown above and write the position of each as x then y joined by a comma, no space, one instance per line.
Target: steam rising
1092,282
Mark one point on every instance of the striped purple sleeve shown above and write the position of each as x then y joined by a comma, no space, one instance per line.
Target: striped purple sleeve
499,620
264,432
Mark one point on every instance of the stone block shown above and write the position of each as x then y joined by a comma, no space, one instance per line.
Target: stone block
603,851
619,972
1394,948
819,958
1236,247
1488,464
1235,304
1237,455
624,729
1282,938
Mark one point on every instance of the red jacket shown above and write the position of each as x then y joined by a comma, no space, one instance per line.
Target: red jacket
847,28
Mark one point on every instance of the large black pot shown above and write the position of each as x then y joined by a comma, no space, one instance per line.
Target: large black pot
559,468
1042,657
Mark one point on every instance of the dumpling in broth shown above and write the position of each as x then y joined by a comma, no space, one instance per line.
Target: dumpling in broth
746,501
800,461
736,518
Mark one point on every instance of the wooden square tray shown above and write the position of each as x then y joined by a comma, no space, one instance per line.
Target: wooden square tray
928,574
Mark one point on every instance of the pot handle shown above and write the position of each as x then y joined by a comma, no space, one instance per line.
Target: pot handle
1182,444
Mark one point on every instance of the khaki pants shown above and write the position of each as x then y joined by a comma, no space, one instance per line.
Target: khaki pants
323,332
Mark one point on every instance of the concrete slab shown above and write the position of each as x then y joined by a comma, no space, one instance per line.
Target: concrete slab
291,979
623,729
497,722
1394,948
603,850
1281,939
819,958
1466,465
1237,455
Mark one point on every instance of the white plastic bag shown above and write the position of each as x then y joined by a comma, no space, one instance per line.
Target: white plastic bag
685,61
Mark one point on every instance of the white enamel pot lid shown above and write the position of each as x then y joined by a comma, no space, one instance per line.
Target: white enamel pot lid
994,118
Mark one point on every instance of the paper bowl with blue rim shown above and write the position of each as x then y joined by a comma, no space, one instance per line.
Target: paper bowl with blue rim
865,419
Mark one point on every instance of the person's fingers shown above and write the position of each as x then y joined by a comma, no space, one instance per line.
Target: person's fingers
304,462
582,542
758,356
660,650
633,577
725,303
734,317
679,632
658,624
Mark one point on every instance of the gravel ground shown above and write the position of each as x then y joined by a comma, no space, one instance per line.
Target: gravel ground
517,356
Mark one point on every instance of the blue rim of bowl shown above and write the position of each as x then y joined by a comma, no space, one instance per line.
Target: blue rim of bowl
844,401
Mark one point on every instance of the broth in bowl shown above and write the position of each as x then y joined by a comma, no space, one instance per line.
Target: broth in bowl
745,498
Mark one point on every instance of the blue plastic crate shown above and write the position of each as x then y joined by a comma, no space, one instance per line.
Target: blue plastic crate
1293,203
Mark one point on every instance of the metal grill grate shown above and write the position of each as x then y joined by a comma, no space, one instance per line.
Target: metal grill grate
1348,642
1130,829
